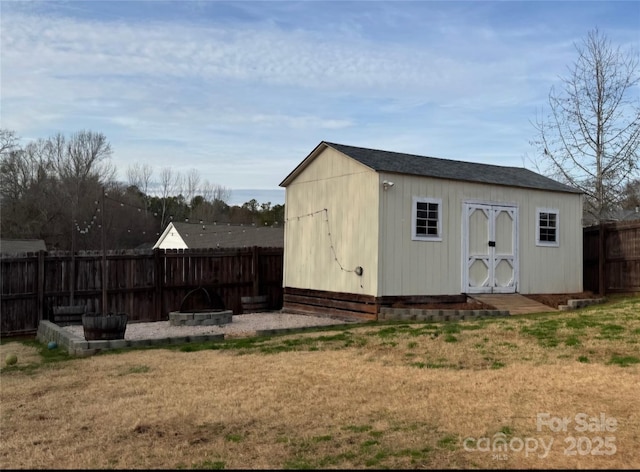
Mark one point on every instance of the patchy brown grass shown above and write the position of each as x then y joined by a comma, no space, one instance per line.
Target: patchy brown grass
393,395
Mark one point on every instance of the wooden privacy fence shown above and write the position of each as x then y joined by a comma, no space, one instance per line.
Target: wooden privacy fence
612,258
146,285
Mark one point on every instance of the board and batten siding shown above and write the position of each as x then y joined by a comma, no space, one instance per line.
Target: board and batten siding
349,191
409,267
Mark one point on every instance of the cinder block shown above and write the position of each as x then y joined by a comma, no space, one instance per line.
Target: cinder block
180,316
101,344
73,344
118,343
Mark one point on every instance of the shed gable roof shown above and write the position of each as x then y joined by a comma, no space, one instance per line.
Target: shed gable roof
412,164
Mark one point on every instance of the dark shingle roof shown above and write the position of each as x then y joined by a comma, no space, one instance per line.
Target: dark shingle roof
386,161
21,246
223,235
614,216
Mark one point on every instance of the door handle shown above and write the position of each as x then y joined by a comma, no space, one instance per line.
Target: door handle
492,244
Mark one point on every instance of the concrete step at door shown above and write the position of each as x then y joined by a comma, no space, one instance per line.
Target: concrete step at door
515,303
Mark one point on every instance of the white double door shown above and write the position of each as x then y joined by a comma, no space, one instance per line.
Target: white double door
490,247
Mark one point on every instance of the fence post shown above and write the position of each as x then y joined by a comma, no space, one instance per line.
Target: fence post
159,273
255,268
601,260
40,300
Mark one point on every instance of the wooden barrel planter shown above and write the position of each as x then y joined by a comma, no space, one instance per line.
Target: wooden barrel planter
69,314
254,304
99,327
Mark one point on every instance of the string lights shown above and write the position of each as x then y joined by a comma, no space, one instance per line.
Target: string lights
326,219
88,225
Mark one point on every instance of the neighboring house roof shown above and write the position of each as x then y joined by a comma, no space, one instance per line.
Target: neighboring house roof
192,236
21,246
386,161
619,215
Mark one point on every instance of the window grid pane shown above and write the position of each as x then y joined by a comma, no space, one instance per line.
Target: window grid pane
548,225
427,219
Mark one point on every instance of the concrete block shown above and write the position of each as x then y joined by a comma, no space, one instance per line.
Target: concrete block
101,344
118,343
85,352
182,316
75,344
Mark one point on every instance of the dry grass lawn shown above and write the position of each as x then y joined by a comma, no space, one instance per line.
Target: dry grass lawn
392,395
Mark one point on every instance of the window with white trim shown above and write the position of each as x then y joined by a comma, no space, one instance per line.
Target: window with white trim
547,227
426,219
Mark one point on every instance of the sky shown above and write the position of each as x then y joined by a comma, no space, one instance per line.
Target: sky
243,91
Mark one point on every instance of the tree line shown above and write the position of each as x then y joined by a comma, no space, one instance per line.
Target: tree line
63,189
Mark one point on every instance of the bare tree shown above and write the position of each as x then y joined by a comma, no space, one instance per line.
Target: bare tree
191,181
8,141
85,153
210,204
591,137
221,193
139,176
27,190
50,183
631,195
170,182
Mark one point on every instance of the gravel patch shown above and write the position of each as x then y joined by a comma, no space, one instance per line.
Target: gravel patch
241,326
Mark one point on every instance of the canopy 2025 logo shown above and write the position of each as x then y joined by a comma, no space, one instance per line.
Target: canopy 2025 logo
592,438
